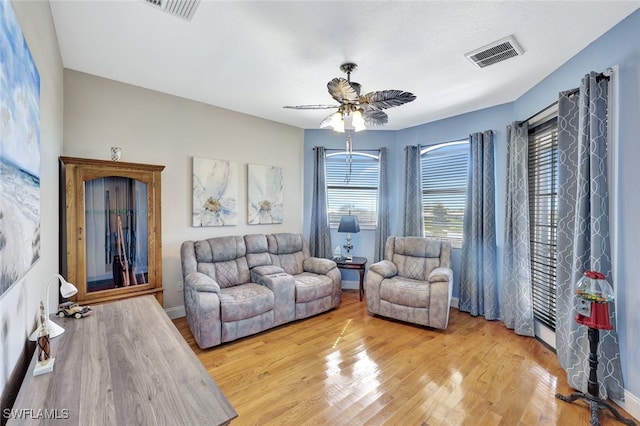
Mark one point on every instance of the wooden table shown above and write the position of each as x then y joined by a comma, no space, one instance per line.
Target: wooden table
357,263
126,364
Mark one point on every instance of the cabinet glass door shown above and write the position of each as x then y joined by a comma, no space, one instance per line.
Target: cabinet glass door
116,220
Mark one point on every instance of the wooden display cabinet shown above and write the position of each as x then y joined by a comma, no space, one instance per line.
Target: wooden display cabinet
110,229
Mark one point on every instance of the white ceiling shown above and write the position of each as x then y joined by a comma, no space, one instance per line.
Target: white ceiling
257,56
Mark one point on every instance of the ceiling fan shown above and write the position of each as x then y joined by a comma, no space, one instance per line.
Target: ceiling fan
361,110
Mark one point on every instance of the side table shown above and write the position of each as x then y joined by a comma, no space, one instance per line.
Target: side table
357,263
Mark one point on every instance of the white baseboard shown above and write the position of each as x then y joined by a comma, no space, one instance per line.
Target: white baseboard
176,312
631,404
455,302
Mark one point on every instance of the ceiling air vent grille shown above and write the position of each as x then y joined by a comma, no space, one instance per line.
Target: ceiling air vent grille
495,52
181,8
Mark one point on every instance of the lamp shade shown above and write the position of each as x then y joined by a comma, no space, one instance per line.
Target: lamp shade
357,121
66,290
349,223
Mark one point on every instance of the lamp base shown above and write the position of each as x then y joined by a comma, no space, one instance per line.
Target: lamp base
43,367
54,331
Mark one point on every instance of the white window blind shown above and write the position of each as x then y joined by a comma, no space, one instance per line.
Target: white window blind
352,187
444,189
543,210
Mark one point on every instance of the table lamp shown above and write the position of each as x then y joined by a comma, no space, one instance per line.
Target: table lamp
66,290
349,224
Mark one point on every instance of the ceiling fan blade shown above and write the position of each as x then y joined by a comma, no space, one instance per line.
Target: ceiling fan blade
375,117
311,106
342,91
327,121
386,99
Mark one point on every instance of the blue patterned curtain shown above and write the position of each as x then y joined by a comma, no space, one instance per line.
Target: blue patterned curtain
583,231
478,277
320,238
382,230
413,220
517,302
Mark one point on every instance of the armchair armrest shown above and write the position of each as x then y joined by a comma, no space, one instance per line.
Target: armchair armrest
318,265
386,268
440,275
201,282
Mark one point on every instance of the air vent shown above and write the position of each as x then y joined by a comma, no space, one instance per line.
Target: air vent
495,52
181,8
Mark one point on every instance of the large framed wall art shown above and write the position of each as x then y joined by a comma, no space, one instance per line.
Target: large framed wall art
215,192
264,194
19,152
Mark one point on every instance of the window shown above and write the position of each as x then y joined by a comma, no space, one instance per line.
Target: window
352,186
543,210
444,189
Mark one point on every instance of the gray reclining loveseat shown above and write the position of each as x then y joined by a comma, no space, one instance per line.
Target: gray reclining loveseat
241,285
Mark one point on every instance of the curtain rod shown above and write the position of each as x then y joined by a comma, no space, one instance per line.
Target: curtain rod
604,75
537,113
355,150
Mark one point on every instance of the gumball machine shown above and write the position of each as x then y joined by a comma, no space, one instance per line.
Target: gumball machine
593,293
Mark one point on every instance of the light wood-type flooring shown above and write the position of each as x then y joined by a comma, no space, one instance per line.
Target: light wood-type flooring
346,367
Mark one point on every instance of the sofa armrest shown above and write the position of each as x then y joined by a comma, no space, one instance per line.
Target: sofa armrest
261,271
385,268
440,275
318,265
283,287
201,282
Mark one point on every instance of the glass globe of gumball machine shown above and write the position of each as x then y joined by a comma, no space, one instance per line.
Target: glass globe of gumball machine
593,293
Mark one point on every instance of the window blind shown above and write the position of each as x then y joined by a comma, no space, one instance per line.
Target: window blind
352,187
543,210
444,189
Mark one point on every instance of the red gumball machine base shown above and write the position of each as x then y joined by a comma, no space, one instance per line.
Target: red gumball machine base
599,317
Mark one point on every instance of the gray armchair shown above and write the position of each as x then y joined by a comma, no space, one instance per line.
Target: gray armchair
413,283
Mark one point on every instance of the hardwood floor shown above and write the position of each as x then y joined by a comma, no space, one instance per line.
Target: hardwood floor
346,367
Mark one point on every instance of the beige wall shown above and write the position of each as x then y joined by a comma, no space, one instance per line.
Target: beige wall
156,128
19,305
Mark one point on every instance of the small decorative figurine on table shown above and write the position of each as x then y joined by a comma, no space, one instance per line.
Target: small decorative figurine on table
45,362
73,310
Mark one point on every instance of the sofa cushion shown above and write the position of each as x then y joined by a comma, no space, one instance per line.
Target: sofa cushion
223,259
417,247
288,251
232,272
219,249
310,286
405,291
416,268
285,243
257,250
245,301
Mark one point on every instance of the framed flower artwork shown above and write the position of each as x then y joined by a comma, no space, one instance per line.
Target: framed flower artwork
215,192
264,194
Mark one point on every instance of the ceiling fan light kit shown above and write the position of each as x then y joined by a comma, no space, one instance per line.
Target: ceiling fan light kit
355,111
